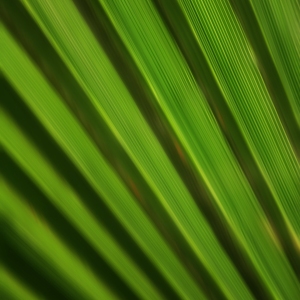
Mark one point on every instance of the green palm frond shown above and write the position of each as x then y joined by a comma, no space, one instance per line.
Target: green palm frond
150,149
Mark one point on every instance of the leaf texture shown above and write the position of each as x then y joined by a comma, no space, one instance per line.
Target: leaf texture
150,149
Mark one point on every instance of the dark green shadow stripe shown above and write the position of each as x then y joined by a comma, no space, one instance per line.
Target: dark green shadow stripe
18,264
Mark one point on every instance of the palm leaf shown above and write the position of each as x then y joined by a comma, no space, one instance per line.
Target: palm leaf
150,149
